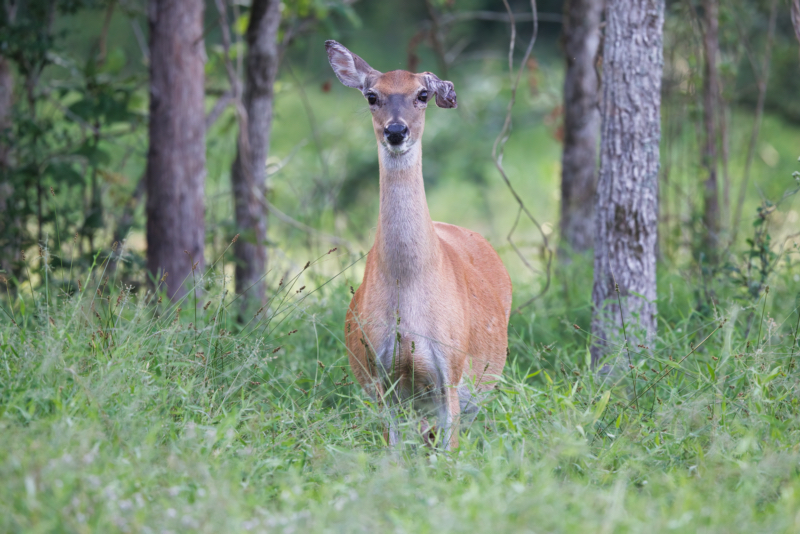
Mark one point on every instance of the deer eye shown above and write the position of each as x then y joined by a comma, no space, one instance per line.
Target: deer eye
372,98
423,96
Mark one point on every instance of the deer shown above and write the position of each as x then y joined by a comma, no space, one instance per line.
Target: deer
428,326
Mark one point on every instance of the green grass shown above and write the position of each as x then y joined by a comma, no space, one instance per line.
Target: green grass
118,415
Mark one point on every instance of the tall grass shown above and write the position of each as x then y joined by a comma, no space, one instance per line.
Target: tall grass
119,412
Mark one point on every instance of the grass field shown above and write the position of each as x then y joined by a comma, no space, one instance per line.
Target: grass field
121,414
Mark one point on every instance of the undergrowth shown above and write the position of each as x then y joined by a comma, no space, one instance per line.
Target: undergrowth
121,412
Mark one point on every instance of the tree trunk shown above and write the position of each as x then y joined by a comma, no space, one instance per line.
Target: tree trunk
795,9
6,99
581,125
7,220
249,168
711,214
176,157
626,209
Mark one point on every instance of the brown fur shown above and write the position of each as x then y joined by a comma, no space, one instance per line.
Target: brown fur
441,288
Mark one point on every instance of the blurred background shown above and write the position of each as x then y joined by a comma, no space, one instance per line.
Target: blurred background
75,119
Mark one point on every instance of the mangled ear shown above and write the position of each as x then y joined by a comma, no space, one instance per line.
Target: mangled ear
351,70
445,91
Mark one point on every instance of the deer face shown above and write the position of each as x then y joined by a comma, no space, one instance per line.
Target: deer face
397,99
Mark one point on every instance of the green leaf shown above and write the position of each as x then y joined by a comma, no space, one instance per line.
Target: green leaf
86,109
115,61
240,26
711,372
601,406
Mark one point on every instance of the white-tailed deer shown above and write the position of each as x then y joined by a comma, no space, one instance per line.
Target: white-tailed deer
429,324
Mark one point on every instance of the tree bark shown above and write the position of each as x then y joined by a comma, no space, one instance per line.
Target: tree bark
626,209
249,168
581,125
711,213
795,10
7,254
176,156
6,99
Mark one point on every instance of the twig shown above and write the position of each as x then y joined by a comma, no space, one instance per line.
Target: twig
219,106
102,42
437,37
141,40
304,227
505,132
311,119
763,77
496,16
236,92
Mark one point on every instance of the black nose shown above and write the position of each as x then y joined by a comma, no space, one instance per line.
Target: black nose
396,133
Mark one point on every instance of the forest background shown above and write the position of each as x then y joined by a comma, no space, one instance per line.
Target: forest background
122,410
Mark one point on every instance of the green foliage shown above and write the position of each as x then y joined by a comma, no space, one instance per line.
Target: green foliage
66,125
762,258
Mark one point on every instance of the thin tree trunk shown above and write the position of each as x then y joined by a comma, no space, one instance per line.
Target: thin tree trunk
581,125
711,214
795,9
176,157
626,211
725,142
7,220
249,167
6,99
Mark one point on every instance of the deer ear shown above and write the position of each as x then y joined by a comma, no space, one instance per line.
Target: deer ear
351,70
445,91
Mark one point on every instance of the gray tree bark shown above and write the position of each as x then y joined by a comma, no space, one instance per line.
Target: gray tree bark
176,156
6,99
7,252
711,213
626,209
581,125
249,168
795,10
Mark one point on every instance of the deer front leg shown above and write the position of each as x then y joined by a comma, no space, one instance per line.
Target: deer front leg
449,413
454,412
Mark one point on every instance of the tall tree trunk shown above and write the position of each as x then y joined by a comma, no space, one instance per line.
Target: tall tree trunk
176,157
7,220
795,10
581,125
249,168
711,213
6,99
626,210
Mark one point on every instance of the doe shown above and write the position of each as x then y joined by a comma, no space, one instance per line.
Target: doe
429,324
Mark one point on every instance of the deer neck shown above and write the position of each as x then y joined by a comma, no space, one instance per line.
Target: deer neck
405,241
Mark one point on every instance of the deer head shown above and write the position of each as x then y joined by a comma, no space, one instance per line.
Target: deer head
397,99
